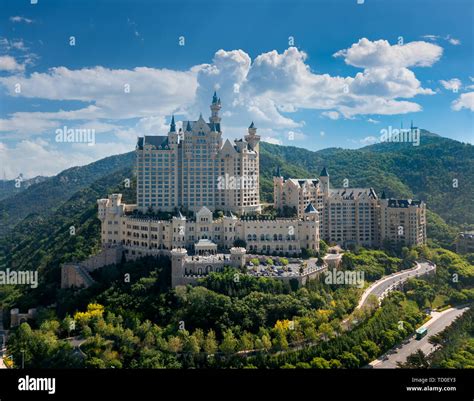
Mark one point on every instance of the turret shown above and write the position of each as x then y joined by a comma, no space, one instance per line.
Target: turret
215,108
178,259
237,257
324,180
252,138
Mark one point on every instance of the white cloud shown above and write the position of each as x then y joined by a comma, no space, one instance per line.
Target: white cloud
380,53
452,84
388,82
465,101
21,19
266,90
274,141
8,63
453,41
372,121
431,37
333,115
38,157
369,140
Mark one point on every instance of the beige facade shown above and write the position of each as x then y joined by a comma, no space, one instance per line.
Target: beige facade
354,216
403,221
193,167
143,236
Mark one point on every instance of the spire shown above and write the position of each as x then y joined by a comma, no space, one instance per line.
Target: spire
215,108
411,125
172,125
188,127
252,130
324,172
383,195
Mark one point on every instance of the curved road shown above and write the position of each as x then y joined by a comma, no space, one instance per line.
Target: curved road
380,287
438,322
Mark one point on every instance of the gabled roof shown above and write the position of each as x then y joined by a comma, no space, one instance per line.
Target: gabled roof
300,182
310,209
158,141
228,147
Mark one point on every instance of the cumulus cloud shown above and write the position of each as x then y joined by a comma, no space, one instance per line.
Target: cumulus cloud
39,157
266,90
452,84
8,63
272,140
380,53
465,101
333,115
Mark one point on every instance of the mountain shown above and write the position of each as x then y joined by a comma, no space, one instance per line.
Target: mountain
12,187
45,211
44,197
439,171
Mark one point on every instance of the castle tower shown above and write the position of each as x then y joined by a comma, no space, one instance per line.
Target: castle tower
237,257
324,180
215,108
178,259
310,228
252,138
277,189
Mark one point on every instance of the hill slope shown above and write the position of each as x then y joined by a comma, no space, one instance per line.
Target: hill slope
41,239
46,196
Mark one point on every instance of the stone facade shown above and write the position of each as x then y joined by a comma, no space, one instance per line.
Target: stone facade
77,274
193,167
144,236
354,216
17,318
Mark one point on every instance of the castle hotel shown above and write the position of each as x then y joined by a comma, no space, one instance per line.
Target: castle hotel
192,171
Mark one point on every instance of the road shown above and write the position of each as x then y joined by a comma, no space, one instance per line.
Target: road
386,283
438,322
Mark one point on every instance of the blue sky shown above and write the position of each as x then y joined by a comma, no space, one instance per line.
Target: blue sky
313,74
